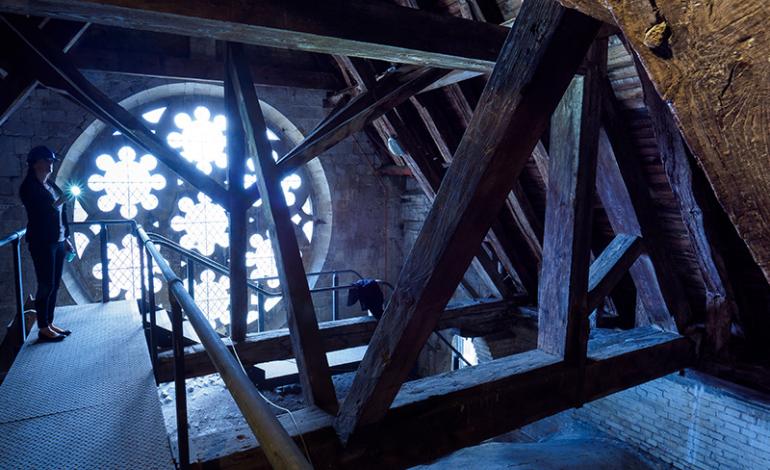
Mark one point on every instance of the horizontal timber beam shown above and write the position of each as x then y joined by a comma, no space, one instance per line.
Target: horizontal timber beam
473,319
470,405
161,65
376,30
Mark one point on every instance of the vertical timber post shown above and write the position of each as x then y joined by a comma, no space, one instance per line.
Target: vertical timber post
236,168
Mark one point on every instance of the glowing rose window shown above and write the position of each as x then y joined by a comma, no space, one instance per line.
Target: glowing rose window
121,181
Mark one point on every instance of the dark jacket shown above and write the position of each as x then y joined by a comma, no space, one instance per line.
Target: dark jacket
42,217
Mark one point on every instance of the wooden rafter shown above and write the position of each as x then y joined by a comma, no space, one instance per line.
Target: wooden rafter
627,200
543,51
53,69
17,86
385,94
312,364
376,30
721,309
709,65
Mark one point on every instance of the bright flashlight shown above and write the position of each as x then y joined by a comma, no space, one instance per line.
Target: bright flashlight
75,190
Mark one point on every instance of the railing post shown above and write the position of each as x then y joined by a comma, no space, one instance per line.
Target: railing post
105,263
180,389
335,296
142,286
151,294
19,290
191,277
260,310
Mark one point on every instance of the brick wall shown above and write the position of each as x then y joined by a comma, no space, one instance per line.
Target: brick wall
690,422
366,231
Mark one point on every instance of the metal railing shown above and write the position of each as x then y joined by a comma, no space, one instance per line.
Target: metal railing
278,446
258,285
17,328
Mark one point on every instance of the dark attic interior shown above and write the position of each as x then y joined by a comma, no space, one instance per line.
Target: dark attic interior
434,234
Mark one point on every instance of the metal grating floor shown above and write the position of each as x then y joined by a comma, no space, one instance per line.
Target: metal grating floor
87,402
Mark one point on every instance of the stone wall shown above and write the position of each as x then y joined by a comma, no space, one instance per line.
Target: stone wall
690,422
366,228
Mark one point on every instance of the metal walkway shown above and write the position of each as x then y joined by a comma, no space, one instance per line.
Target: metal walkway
89,401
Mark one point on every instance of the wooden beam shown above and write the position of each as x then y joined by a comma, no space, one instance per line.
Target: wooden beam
470,319
54,69
710,66
542,52
18,85
238,229
209,70
387,93
721,308
608,268
421,157
469,405
376,30
563,292
627,200
312,364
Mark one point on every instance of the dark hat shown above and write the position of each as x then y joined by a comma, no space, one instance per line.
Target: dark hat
41,152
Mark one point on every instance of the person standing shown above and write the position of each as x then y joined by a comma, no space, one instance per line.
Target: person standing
47,236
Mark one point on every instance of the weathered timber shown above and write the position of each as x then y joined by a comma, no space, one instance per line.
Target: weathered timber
52,68
563,291
238,230
163,65
376,30
607,269
710,66
387,93
312,364
721,309
471,404
622,178
426,167
421,155
17,86
517,226
470,320
541,54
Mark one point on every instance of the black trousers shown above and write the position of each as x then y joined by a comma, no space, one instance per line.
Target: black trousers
48,259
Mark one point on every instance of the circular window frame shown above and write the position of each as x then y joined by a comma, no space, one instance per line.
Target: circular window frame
276,121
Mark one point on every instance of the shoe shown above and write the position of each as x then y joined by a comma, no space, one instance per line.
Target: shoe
61,332
50,339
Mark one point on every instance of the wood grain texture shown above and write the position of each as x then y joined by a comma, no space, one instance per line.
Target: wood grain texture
563,290
543,51
376,30
434,416
470,319
630,207
712,72
610,266
721,308
313,367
